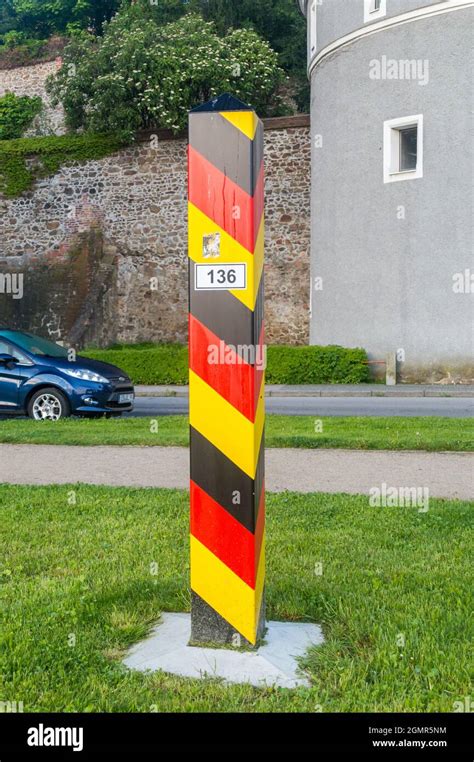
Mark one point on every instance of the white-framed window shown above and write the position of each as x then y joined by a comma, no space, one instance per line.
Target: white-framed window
374,9
403,148
312,25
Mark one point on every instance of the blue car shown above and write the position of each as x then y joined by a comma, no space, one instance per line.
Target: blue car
47,382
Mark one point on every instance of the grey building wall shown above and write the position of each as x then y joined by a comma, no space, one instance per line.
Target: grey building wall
387,283
337,18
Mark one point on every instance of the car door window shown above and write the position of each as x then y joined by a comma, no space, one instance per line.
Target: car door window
14,352
9,349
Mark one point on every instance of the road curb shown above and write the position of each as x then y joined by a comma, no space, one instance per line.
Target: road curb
374,390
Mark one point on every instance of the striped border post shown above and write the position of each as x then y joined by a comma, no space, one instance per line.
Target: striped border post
226,373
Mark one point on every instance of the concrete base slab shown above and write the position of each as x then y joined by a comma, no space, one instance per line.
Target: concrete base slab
273,664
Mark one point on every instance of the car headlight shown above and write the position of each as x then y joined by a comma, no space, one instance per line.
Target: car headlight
87,375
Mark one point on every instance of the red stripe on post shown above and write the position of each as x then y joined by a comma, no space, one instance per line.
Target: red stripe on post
224,536
224,202
223,369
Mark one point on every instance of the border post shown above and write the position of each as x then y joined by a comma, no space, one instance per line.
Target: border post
226,373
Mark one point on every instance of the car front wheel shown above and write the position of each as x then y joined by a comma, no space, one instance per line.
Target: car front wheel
48,405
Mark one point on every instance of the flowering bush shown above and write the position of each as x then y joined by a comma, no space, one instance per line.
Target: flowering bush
140,75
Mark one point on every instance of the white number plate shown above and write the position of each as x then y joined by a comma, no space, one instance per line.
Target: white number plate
123,398
220,277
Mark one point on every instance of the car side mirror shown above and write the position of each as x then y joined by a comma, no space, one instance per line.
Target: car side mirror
8,360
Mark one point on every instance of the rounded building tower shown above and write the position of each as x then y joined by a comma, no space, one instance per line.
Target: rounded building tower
392,181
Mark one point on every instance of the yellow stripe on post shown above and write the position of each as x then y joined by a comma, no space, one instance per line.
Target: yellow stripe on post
201,226
232,598
245,121
225,427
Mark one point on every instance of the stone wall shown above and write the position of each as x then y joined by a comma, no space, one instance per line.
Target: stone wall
31,80
102,246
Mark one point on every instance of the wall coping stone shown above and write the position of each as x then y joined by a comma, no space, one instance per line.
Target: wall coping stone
272,123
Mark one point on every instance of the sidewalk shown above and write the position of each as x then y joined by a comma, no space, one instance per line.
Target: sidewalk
332,390
449,475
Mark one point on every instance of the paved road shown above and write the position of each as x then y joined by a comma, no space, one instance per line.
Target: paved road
448,407
443,474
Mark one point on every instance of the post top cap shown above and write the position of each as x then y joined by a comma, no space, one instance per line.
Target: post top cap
225,102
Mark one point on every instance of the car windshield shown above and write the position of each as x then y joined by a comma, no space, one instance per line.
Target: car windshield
34,345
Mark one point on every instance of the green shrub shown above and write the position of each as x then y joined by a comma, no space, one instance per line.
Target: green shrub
14,38
52,153
168,364
316,365
162,364
16,114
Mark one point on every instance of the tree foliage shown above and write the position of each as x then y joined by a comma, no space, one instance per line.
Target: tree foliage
7,17
43,18
277,21
139,75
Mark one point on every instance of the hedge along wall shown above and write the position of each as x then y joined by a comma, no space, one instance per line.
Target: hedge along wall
285,365
121,222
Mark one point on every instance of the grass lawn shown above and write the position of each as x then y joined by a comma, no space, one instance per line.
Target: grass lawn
423,433
77,589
